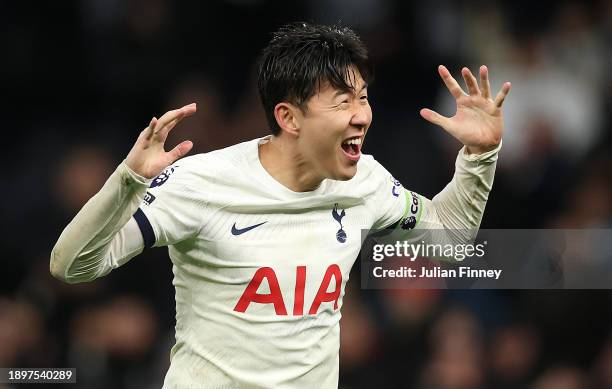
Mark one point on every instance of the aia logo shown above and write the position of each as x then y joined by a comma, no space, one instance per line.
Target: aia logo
340,235
275,296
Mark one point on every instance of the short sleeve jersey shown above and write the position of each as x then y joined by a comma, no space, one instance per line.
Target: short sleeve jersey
259,270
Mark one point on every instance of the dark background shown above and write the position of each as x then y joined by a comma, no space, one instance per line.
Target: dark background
80,79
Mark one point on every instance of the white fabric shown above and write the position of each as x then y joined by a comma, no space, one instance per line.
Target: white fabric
82,252
223,339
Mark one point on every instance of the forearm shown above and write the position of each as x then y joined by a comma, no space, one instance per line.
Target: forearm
91,245
459,207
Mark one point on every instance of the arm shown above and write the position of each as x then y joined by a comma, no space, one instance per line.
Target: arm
454,215
85,248
459,207
102,236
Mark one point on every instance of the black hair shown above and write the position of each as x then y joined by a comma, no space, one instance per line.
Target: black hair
301,57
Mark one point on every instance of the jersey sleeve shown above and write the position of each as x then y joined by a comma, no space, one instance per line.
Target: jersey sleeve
392,203
454,214
172,209
101,236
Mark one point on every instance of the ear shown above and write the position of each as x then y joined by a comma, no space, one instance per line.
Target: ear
287,116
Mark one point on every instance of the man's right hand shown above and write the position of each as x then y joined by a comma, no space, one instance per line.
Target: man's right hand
148,157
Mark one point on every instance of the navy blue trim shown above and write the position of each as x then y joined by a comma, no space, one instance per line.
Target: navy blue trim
145,228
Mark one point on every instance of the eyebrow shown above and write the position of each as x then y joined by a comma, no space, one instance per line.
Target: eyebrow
341,92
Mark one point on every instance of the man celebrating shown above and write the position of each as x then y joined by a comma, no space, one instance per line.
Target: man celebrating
262,235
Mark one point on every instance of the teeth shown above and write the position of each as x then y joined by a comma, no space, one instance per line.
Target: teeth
354,141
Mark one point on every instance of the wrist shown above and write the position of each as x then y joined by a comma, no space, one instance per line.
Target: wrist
133,177
478,150
490,155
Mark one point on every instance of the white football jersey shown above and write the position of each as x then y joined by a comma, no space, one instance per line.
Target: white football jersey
259,270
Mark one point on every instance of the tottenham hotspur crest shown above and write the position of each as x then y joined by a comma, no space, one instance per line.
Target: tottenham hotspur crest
340,235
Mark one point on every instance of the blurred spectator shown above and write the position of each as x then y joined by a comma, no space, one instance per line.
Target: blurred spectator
456,360
602,368
109,340
552,111
565,377
215,126
587,204
360,344
80,175
22,335
513,357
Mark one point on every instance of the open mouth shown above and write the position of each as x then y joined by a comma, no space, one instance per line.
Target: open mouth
352,148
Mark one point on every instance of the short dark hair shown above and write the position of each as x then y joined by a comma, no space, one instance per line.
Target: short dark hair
301,57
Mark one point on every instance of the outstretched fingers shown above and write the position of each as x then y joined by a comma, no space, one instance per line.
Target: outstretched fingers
172,124
472,85
434,117
501,96
168,118
179,151
148,132
171,118
470,82
485,85
450,82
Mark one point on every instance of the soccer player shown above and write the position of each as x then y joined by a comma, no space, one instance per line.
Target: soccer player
262,235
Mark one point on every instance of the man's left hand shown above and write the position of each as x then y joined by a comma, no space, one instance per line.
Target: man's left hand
478,122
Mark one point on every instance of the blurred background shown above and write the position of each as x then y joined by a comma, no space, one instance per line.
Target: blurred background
80,79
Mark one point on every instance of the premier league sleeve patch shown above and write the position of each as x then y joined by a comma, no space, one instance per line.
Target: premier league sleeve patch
412,214
408,223
163,177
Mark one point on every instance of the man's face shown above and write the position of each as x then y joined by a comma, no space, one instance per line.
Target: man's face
333,128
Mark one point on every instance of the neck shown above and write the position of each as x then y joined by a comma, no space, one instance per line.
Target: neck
283,161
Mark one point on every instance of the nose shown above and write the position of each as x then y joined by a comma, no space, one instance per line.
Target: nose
362,116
